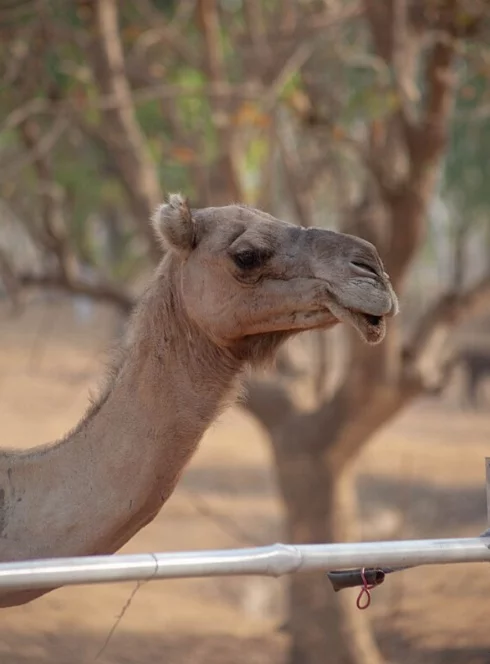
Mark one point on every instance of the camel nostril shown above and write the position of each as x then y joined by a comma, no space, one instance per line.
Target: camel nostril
364,268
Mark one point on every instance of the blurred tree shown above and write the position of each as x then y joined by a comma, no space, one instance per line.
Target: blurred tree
310,109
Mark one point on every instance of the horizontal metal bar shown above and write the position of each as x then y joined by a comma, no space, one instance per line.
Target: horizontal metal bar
274,560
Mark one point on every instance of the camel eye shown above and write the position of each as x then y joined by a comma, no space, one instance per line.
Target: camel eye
249,259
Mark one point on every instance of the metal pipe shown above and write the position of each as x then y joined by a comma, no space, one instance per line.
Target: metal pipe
274,560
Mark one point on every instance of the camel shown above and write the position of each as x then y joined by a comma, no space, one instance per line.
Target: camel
233,284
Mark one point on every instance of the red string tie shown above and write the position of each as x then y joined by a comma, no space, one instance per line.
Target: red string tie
364,597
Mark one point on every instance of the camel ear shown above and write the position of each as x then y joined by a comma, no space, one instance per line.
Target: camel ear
174,225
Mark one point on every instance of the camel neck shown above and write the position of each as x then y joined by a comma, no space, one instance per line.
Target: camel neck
92,491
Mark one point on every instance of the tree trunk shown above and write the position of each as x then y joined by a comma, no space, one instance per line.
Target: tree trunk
321,629
119,131
224,173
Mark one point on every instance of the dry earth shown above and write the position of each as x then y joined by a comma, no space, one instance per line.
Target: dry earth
421,477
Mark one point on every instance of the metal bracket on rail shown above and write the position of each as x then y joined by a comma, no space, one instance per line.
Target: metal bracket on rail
369,578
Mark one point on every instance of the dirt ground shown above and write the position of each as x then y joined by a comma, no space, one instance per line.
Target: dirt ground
423,476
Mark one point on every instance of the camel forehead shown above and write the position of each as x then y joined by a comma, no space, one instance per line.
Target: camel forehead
225,225
241,225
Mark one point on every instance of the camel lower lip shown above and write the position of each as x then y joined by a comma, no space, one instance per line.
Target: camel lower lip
370,326
372,319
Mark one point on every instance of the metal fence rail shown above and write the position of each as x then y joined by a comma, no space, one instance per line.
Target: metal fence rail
274,560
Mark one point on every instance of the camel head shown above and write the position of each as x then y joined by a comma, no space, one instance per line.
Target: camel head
248,278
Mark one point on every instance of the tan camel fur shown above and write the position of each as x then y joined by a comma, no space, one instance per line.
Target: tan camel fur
234,283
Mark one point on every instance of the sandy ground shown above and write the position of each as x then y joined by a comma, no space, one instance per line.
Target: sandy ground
422,476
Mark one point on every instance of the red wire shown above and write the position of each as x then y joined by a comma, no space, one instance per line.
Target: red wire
365,590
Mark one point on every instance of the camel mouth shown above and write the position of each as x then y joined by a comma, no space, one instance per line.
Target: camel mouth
370,327
373,320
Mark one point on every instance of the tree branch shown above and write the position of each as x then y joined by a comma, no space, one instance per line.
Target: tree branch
120,127
254,21
9,279
39,150
306,29
225,90
163,32
101,292
429,354
24,112
427,139
380,17
292,169
227,174
446,312
53,234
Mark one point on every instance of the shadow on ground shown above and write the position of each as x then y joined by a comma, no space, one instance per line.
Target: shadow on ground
424,506
428,510
252,480
126,648
405,652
